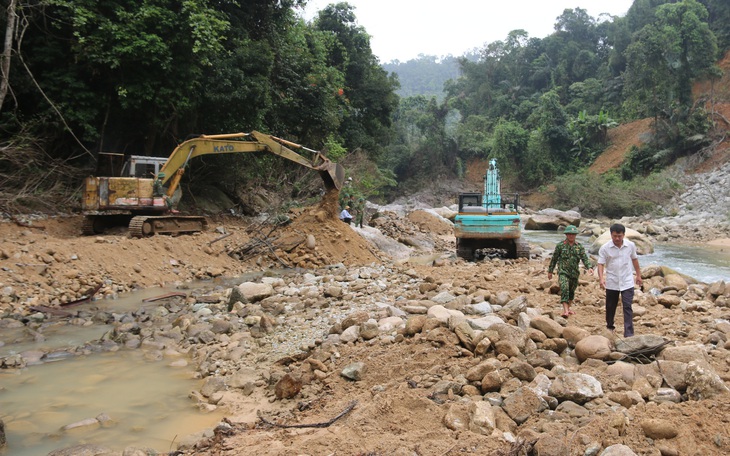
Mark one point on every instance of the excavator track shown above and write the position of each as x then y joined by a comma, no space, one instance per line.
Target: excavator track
143,226
522,248
87,228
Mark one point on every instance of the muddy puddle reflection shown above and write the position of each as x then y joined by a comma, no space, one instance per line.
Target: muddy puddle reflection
145,400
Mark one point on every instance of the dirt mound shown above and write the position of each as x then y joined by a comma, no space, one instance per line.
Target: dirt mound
334,240
430,223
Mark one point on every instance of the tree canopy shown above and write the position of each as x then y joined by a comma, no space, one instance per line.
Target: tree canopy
543,105
84,76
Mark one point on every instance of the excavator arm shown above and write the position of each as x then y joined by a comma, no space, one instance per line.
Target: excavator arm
138,202
332,173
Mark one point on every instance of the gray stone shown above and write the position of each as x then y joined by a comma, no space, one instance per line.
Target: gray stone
666,395
466,335
703,382
522,370
574,334
354,371
548,326
513,308
618,450
443,298
543,358
414,324
481,418
250,292
640,342
576,387
477,373
369,330
485,322
212,385
684,353
659,429
456,417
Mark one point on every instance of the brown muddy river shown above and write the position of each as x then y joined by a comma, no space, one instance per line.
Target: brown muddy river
147,402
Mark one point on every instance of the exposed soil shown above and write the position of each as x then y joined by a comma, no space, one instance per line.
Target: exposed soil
395,409
621,139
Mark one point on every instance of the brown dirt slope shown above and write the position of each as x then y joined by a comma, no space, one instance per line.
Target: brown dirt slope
717,101
621,138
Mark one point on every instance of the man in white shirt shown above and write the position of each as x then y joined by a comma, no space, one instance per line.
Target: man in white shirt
345,215
617,262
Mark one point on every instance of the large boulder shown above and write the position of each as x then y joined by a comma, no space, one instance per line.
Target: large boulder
595,347
644,245
552,220
576,387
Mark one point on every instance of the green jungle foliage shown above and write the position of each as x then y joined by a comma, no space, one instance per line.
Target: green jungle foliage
611,196
543,107
138,77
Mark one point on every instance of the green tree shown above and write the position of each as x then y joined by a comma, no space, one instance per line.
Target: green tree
719,21
136,67
510,145
668,55
369,91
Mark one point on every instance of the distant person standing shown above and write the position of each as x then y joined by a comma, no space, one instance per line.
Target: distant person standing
567,257
359,211
617,263
345,215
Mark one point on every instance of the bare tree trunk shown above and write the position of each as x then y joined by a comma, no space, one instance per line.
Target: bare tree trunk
12,18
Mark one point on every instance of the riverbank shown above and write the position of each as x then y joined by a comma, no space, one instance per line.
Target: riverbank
439,357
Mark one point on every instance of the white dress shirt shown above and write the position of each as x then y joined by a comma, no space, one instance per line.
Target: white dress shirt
618,263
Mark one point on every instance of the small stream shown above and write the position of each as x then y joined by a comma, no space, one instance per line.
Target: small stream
705,263
146,400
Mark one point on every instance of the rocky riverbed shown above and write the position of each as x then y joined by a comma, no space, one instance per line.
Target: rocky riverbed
360,353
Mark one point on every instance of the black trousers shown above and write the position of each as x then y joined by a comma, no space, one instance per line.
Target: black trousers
627,297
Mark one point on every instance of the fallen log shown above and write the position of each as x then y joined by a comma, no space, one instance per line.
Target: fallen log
347,410
165,296
87,297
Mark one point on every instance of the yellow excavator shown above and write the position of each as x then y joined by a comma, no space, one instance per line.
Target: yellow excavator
147,204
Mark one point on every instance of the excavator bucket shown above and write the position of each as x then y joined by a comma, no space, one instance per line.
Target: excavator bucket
333,175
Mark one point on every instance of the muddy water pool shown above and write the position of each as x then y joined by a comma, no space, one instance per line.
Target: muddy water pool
147,403
146,400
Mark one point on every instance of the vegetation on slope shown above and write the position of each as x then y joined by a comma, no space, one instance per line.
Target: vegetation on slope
82,77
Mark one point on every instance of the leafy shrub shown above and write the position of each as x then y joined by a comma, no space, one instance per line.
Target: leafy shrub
610,196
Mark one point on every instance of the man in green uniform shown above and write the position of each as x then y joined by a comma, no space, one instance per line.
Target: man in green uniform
359,212
567,256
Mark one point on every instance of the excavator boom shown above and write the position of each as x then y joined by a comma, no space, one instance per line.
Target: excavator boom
332,173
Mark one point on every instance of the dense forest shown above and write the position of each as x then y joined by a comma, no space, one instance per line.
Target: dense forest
84,76
427,74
